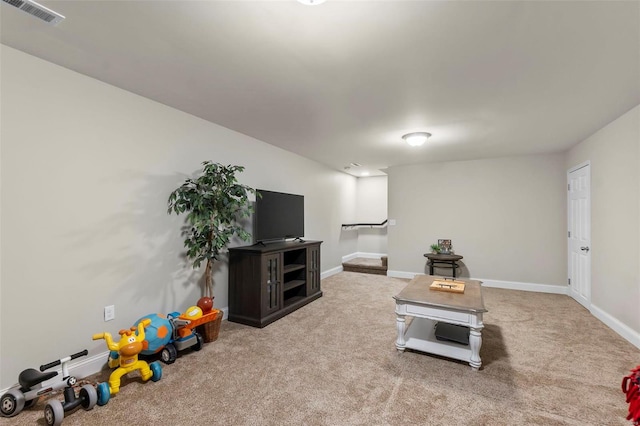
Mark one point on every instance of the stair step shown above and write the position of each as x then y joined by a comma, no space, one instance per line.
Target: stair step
365,266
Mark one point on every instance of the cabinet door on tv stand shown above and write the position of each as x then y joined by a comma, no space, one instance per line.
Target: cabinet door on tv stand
271,287
313,272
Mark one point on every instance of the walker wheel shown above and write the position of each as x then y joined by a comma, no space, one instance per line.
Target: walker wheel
11,403
89,397
53,413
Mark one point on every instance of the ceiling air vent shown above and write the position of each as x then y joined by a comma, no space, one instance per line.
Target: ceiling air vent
37,10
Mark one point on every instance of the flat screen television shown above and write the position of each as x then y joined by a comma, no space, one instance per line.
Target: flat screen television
278,216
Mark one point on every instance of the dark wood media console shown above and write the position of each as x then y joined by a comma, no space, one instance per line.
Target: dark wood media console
269,281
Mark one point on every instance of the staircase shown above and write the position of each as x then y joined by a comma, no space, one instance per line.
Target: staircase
366,266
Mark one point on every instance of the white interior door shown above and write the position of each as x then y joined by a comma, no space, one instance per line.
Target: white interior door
579,224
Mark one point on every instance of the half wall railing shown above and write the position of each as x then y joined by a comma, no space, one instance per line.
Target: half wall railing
361,225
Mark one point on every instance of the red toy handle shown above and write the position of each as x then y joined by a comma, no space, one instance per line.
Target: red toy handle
631,387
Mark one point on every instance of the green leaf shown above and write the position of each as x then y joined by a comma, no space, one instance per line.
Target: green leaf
213,202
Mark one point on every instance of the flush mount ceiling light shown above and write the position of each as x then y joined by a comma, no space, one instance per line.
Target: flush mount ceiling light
311,2
416,138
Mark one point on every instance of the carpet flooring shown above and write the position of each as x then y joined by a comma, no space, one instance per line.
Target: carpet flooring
546,361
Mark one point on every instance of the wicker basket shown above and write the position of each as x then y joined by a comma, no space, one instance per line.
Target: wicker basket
210,330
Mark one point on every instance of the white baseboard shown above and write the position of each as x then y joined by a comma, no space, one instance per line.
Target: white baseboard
362,255
349,257
225,312
514,285
623,330
332,271
89,366
510,285
402,274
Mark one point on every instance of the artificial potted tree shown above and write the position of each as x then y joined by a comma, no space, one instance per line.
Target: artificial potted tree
214,203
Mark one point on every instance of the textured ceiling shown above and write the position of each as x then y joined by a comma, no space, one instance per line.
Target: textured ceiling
341,82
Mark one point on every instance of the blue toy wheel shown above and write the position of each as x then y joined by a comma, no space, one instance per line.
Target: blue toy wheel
156,369
104,393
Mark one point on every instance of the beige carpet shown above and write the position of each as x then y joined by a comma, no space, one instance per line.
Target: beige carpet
546,361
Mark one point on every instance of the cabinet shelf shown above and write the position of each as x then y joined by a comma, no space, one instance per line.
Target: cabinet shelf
293,267
293,284
290,301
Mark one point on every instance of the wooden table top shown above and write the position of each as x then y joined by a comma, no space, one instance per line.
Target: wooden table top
442,256
418,292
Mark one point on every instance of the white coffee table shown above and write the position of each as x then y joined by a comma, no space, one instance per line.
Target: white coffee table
428,307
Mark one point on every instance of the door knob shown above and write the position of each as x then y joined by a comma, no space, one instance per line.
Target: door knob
584,249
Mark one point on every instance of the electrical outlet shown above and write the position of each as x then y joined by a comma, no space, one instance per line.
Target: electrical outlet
109,312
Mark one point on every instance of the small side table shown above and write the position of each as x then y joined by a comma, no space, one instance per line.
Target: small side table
440,260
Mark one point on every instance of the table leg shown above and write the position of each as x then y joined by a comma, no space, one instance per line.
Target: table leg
431,268
453,266
401,326
475,342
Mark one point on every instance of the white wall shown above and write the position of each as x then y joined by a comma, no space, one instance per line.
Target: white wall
614,153
86,170
372,208
506,216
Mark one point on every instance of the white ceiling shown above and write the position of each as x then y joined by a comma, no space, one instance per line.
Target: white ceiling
341,82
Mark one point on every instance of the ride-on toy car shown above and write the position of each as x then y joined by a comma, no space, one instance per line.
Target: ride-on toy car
124,356
31,387
183,336
175,332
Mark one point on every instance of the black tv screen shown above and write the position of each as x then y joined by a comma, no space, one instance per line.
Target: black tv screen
278,216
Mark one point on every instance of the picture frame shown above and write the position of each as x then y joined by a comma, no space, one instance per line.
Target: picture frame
445,246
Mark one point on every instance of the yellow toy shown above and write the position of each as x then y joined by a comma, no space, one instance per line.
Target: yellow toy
124,355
